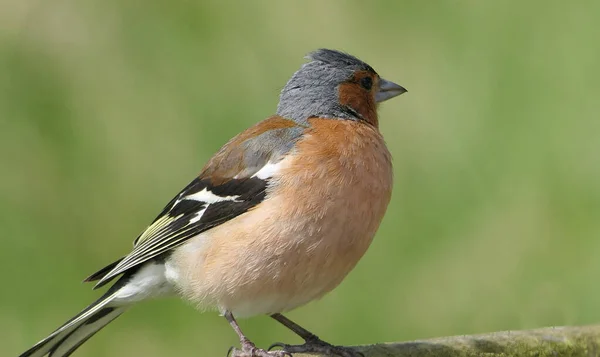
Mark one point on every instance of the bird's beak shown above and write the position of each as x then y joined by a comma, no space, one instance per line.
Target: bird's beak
388,90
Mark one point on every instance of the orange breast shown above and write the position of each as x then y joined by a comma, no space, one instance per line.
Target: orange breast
318,220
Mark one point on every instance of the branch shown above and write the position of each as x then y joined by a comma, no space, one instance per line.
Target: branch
552,341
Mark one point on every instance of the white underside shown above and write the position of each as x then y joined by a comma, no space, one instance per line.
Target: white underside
149,282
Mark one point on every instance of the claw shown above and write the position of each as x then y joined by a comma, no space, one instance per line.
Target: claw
257,352
277,344
283,347
229,351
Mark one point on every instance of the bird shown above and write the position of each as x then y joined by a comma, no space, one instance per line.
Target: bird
276,218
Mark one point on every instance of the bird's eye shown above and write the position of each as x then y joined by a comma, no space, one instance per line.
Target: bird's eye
366,83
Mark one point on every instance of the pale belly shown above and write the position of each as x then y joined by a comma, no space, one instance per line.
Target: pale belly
262,263
282,267
297,245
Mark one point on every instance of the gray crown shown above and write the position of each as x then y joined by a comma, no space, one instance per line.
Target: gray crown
313,89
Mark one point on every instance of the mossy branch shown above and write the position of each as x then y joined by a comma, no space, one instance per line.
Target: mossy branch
553,341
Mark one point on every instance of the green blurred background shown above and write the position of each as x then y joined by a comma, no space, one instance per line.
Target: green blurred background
107,108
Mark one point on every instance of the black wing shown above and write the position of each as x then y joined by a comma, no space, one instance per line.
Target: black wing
232,182
197,208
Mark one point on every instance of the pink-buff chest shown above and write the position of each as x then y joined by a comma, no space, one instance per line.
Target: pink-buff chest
320,215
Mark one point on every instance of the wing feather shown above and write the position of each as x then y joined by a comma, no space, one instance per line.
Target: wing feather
234,180
186,219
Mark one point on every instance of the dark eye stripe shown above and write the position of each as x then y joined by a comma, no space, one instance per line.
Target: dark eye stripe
366,83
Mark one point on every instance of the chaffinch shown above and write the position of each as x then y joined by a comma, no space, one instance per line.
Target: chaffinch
277,217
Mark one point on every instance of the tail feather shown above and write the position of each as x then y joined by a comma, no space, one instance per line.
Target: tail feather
67,338
102,272
139,283
83,332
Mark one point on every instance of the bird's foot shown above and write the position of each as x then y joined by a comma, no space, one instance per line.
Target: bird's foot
317,346
249,349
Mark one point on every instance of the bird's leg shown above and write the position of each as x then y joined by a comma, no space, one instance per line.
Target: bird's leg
297,329
312,343
248,347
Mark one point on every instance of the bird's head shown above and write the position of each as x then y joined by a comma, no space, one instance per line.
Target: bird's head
335,85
